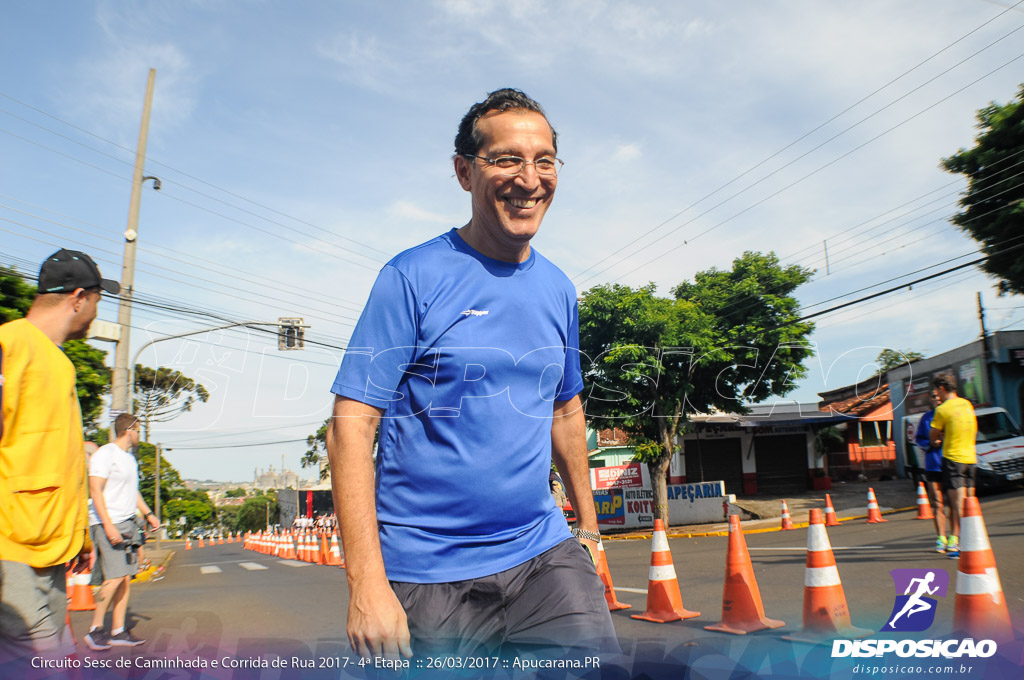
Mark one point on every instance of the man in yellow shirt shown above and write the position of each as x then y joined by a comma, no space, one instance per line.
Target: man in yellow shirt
43,486
955,427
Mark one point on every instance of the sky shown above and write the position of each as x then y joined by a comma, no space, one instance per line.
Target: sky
301,145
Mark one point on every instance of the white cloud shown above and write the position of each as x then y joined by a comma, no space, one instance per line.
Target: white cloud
411,211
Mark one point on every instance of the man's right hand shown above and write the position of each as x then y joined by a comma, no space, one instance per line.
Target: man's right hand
376,623
113,535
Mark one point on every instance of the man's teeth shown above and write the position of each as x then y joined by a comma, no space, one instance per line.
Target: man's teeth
521,202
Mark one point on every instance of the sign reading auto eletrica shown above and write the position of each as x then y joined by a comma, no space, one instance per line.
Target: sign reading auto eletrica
624,500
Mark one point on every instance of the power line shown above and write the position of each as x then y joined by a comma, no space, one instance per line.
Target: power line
791,144
180,172
813,172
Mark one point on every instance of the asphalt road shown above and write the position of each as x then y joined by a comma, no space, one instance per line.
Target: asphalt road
223,600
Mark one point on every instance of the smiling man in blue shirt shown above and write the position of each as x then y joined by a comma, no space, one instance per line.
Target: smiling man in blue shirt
466,356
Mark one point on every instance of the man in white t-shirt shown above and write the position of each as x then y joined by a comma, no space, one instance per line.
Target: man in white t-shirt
114,489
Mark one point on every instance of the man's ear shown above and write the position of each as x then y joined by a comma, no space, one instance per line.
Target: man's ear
462,171
78,298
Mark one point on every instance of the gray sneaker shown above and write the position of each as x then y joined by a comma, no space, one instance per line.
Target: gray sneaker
125,639
97,639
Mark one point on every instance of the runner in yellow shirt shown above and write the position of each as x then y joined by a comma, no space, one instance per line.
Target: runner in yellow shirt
956,428
43,487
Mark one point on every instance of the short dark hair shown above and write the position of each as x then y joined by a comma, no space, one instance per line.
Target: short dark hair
468,140
124,422
945,381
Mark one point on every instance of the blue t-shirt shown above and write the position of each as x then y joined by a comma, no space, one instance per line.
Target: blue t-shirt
466,354
932,454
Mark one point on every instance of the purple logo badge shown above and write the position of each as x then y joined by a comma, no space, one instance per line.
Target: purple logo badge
914,610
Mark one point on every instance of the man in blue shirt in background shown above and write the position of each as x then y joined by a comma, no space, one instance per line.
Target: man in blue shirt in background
933,471
466,355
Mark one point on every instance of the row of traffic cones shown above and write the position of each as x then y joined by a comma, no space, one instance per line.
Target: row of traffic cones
874,513
214,540
980,610
304,546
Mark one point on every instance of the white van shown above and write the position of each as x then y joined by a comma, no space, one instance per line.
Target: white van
1000,446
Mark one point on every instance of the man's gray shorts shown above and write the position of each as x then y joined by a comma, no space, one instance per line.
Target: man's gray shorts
33,603
115,560
552,601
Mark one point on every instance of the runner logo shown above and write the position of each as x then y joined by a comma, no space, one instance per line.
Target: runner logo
914,611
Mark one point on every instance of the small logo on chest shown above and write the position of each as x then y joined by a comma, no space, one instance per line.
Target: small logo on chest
476,312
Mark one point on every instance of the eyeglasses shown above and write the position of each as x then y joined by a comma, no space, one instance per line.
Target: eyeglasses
510,166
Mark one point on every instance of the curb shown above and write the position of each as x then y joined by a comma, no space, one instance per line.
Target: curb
761,530
153,570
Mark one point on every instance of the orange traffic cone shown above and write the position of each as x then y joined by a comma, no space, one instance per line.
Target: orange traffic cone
230,539
325,559
742,609
787,521
606,579
980,609
314,554
200,542
188,543
220,539
81,593
924,508
334,557
830,513
826,615
664,603
874,514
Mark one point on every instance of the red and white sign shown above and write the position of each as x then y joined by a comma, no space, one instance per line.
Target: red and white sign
619,477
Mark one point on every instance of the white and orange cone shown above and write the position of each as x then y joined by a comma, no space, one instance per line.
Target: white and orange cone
664,603
81,593
980,609
826,615
830,512
334,556
924,508
188,543
742,608
606,578
787,520
200,544
874,514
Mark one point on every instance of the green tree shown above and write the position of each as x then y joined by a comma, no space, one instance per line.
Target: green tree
889,359
15,295
196,513
235,493
253,516
726,339
171,485
92,379
163,394
993,205
227,516
316,449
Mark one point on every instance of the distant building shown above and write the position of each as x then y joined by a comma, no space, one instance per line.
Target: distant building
269,479
870,447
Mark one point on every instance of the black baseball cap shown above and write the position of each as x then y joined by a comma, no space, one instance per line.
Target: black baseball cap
67,270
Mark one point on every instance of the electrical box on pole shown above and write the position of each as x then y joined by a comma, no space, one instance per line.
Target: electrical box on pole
290,333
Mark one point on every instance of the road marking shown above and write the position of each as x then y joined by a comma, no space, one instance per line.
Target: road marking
835,547
209,570
252,566
295,563
642,591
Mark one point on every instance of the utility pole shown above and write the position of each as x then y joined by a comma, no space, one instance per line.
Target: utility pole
120,390
988,397
156,496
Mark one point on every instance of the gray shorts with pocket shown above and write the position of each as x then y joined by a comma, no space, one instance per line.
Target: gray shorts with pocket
34,602
117,561
553,601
